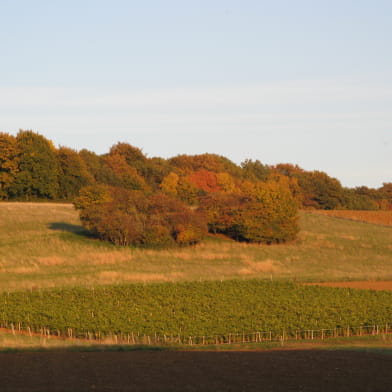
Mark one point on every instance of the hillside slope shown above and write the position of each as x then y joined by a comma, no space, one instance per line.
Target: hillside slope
44,245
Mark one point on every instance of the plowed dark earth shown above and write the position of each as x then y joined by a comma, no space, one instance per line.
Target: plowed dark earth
307,370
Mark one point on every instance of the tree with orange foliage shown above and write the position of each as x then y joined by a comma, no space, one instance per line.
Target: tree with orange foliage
8,163
204,180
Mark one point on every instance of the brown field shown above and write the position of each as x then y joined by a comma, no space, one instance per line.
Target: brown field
377,217
278,370
368,285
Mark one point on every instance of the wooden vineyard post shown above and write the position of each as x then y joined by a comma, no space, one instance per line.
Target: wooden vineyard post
281,338
322,334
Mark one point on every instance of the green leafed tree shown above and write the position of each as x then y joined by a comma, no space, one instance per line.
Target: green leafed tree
255,170
321,191
37,176
73,173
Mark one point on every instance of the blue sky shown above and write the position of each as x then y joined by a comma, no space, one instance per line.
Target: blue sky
306,82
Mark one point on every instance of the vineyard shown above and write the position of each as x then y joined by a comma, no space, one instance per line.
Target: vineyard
377,217
194,309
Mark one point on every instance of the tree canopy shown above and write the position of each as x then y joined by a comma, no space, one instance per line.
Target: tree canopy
128,198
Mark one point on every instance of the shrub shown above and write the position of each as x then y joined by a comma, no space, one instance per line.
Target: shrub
125,217
267,213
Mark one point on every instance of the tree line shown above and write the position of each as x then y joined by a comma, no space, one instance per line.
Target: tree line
174,200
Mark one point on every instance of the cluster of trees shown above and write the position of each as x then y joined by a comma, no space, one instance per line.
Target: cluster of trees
32,168
248,202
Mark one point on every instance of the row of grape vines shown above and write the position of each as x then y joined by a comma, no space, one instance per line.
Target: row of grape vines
194,308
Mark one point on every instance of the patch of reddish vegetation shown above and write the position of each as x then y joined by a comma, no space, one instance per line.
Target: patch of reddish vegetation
377,217
368,285
308,370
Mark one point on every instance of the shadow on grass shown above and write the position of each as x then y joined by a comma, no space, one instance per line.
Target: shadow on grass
67,227
77,233
85,348
365,347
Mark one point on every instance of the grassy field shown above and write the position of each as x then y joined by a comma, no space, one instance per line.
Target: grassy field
44,245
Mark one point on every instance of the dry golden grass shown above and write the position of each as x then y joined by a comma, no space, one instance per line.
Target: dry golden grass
44,245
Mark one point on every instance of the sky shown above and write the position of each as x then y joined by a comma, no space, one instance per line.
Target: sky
307,82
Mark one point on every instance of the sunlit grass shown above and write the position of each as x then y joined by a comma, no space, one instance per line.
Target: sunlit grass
16,342
44,245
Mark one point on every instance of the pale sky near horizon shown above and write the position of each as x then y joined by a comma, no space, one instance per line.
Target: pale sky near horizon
305,82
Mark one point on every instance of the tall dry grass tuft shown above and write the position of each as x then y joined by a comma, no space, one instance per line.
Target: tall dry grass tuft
253,267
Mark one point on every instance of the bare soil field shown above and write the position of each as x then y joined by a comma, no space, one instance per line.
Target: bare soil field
308,370
368,285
